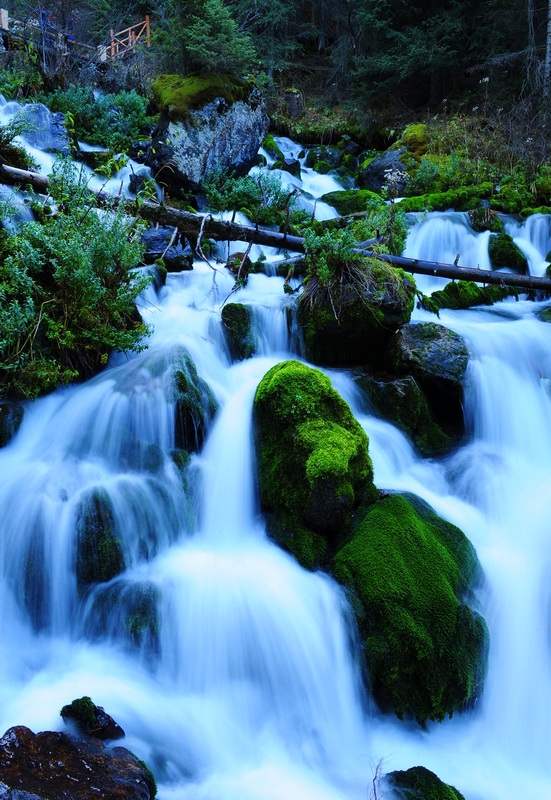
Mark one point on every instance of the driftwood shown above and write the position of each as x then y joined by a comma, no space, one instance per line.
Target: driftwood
191,224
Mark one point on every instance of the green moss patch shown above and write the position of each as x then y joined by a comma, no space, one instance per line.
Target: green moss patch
465,294
504,253
350,201
409,571
461,199
176,95
419,783
99,555
236,320
313,462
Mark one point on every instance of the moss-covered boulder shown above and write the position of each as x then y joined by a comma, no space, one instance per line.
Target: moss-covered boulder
313,462
99,555
401,401
465,294
437,358
350,201
484,218
11,416
410,573
236,320
415,139
505,254
208,123
195,405
419,783
352,325
332,156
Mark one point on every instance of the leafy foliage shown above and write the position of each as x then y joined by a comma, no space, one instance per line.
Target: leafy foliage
67,292
113,120
261,198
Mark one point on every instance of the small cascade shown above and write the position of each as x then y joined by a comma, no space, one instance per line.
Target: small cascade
235,672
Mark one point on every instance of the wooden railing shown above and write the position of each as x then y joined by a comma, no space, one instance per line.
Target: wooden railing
52,38
127,39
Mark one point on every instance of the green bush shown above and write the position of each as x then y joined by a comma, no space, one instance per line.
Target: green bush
112,120
67,292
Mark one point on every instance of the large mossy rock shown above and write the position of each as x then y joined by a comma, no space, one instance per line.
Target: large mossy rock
208,123
437,358
195,405
419,783
56,766
409,573
99,555
505,254
353,327
313,462
401,401
374,175
127,610
236,321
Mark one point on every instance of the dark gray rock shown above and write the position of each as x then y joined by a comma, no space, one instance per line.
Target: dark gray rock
437,357
374,176
217,137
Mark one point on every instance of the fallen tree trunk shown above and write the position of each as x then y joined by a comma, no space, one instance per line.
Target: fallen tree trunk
193,225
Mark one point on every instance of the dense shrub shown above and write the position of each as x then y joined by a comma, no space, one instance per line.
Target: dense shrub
67,292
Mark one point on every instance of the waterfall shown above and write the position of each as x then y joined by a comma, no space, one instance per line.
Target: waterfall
236,673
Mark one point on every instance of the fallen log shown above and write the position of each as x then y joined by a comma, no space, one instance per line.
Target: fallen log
190,225
474,274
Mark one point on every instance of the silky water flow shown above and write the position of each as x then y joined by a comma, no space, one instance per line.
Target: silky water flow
250,689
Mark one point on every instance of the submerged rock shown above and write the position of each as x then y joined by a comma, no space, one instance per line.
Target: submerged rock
313,462
236,320
402,402
98,551
195,405
56,766
410,575
209,123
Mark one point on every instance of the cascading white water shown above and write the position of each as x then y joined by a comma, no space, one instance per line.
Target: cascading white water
252,689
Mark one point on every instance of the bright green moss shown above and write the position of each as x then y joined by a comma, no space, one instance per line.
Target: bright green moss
177,96
82,711
419,783
269,144
313,462
504,252
350,201
415,138
409,571
465,294
460,199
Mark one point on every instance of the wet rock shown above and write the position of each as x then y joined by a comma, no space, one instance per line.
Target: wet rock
195,405
313,464
401,401
166,243
91,720
437,358
366,319
505,254
56,766
236,319
419,783
99,555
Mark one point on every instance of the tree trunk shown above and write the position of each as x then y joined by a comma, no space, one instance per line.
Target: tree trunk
547,66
